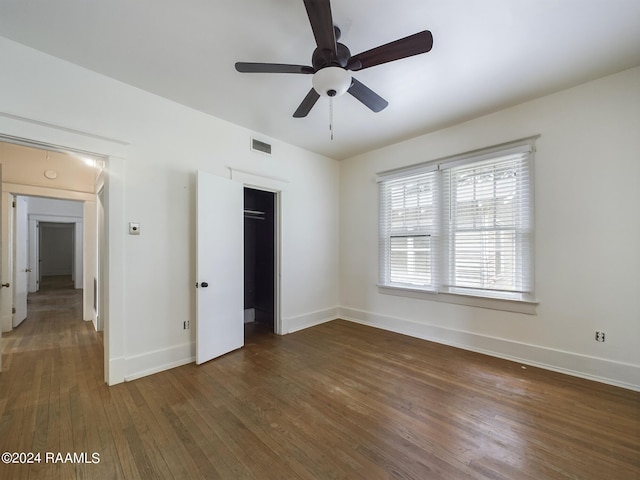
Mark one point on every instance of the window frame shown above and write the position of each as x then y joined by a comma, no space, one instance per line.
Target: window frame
424,179
519,301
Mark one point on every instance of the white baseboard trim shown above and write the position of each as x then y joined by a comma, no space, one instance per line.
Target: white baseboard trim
591,368
7,322
293,324
138,366
249,315
116,371
159,360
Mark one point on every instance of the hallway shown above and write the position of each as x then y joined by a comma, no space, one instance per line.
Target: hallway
50,364
54,321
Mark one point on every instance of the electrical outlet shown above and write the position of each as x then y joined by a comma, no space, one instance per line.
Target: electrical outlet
599,336
185,325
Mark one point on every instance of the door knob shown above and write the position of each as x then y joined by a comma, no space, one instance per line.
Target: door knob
28,270
204,284
6,284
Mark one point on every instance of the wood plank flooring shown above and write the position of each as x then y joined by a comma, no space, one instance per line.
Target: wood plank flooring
339,400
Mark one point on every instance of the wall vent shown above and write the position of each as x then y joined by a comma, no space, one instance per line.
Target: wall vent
262,147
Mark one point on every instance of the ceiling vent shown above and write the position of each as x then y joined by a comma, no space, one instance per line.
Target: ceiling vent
262,147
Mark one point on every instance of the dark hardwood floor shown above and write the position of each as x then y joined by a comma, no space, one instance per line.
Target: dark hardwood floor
339,400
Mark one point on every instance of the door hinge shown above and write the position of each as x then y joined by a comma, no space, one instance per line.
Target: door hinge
13,204
13,310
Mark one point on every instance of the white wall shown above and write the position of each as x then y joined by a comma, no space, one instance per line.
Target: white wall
55,207
156,146
587,200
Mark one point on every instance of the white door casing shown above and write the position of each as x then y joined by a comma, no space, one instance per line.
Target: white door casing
20,272
34,241
220,266
1,252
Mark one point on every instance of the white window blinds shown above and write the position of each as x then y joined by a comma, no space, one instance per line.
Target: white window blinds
460,225
408,230
487,240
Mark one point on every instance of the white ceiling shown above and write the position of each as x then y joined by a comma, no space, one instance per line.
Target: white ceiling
486,55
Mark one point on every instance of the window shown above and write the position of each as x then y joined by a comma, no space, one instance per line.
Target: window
460,225
410,225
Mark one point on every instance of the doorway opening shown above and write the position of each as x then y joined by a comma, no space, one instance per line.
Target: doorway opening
59,212
47,241
259,262
56,252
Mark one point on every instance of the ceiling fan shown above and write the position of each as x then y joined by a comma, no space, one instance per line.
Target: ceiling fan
332,61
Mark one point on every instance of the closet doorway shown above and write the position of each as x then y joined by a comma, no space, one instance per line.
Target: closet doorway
260,246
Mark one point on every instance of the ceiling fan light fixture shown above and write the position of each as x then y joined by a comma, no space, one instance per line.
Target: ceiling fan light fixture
331,81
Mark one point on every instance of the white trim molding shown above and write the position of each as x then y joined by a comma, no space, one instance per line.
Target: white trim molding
48,125
300,322
592,368
156,361
114,373
505,304
259,180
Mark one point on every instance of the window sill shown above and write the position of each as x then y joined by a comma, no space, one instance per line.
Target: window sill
520,305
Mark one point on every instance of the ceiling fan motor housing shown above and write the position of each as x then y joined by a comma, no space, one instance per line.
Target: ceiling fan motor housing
326,58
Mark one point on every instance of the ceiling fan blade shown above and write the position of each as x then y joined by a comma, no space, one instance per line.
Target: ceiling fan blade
367,96
250,67
319,13
405,47
307,104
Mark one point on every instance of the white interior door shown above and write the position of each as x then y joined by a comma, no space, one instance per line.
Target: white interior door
21,275
220,266
33,255
1,244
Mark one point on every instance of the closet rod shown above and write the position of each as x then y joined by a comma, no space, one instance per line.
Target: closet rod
254,215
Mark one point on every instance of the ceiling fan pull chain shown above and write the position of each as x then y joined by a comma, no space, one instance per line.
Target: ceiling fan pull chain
331,116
